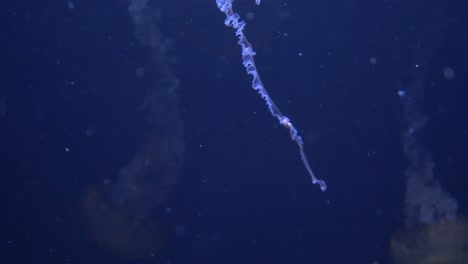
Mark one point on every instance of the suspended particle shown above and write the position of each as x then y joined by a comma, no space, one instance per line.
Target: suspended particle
140,71
449,73
71,5
89,132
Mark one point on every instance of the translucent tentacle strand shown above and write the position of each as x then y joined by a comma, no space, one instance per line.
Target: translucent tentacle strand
233,20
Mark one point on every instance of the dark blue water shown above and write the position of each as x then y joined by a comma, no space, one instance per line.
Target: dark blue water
70,118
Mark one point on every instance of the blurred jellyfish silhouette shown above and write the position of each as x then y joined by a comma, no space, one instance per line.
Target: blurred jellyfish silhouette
127,216
426,202
434,233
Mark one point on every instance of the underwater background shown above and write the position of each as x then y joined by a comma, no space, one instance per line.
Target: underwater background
129,132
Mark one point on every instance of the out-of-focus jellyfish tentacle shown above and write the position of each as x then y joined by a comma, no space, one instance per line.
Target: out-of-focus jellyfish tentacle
425,200
434,233
126,214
